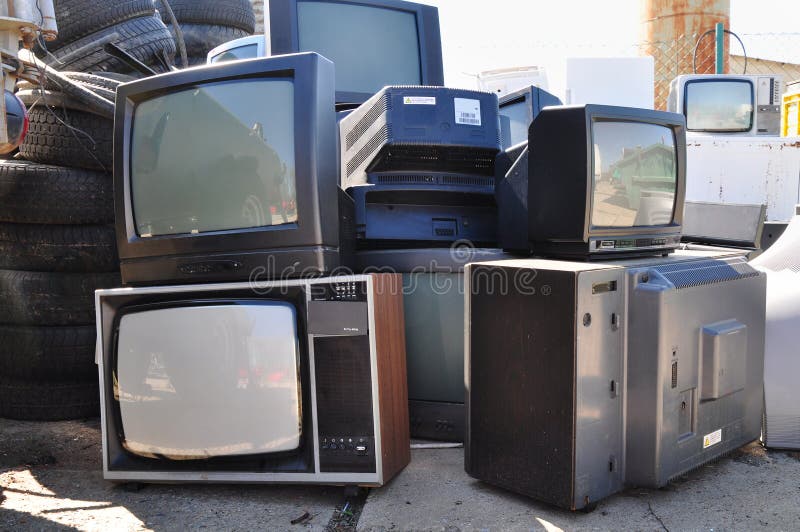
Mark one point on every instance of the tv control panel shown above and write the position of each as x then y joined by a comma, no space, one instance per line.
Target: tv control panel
601,245
358,446
343,291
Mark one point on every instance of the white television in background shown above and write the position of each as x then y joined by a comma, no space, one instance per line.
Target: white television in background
624,81
504,81
728,104
242,48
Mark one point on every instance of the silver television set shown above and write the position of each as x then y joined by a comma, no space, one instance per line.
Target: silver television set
283,381
728,104
583,378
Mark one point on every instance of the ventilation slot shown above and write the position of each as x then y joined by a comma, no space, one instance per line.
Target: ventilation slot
366,121
674,374
465,180
431,158
430,179
705,273
421,179
369,148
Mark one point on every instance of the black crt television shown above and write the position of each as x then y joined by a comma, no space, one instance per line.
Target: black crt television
605,181
518,109
373,43
228,171
299,380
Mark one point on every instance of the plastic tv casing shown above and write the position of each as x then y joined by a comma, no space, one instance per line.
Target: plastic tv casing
561,173
316,243
419,163
765,98
239,414
284,38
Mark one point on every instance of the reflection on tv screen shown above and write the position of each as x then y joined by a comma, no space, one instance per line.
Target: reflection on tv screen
635,174
213,158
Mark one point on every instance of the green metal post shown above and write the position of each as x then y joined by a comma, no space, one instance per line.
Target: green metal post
720,48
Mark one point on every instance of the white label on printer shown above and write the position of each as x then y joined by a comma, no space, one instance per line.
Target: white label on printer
712,439
419,100
468,111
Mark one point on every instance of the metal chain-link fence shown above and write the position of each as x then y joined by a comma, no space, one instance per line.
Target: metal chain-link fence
696,54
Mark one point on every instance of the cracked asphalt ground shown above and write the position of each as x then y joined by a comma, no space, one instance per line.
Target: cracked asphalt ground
50,479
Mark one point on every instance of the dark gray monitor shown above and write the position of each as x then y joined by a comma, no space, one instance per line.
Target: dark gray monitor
229,169
373,43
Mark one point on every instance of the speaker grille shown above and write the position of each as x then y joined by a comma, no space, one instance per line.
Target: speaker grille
377,109
344,385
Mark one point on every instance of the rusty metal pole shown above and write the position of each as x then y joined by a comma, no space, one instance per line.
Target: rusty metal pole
669,30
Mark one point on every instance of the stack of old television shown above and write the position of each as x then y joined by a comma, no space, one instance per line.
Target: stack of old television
245,349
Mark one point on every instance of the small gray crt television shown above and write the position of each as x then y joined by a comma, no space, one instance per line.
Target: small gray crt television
729,104
284,381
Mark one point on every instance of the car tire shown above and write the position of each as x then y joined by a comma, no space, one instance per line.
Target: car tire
48,353
144,38
202,38
78,18
50,299
89,80
237,14
58,248
68,138
49,401
45,194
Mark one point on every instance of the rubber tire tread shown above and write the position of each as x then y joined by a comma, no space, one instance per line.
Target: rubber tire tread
48,401
91,81
47,298
142,37
202,38
55,354
51,142
58,248
44,194
34,97
78,18
232,13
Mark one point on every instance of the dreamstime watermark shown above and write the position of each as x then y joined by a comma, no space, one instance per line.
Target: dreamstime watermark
441,274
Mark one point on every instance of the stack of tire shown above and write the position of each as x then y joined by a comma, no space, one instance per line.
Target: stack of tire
57,245
85,26
206,24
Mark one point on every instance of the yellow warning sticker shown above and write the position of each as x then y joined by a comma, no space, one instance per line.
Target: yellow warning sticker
712,439
419,100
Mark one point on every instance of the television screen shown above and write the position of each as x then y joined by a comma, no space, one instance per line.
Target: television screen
519,120
635,174
719,105
371,46
212,380
214,157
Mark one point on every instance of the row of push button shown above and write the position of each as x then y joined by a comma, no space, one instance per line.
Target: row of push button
359,445
345,291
